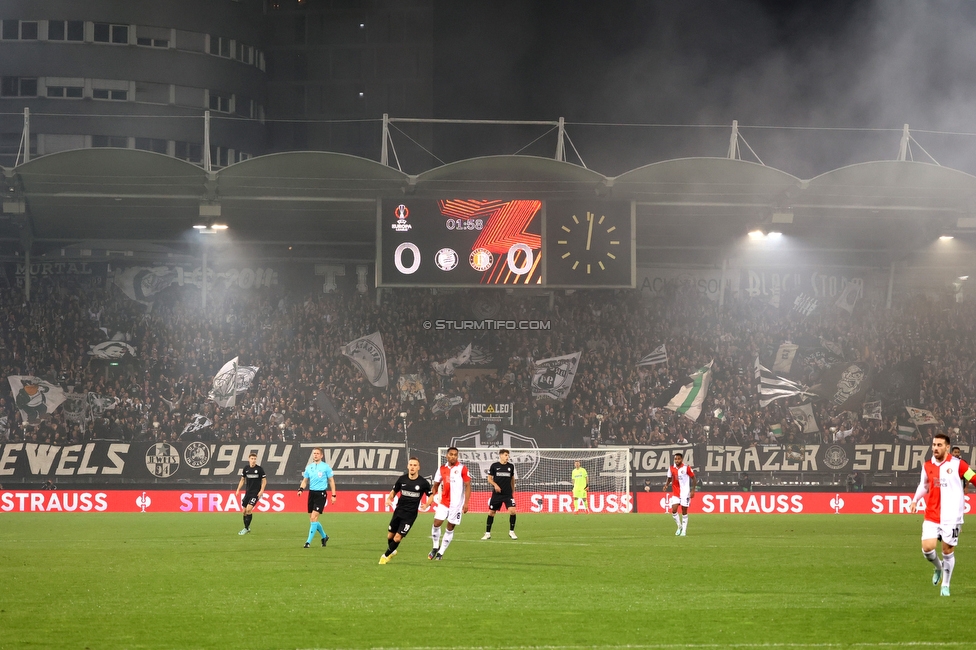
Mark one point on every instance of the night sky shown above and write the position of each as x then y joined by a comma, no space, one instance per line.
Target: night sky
830,63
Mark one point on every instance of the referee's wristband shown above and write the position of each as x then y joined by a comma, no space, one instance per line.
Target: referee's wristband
333,495
300,490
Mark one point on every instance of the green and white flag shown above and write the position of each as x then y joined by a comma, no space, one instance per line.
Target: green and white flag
906,433
690,397
719,415
776,430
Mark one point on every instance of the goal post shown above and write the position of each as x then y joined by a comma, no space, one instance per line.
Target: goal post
550,470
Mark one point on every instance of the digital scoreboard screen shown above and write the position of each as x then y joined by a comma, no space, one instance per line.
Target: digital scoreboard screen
505,242
461,242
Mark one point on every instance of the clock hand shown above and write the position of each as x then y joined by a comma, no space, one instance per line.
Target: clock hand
589,233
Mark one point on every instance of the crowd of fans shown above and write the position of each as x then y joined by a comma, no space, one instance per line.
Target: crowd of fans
294,339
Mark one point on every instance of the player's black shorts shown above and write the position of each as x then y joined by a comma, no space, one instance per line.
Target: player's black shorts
400,524
316,501
498,500
249,500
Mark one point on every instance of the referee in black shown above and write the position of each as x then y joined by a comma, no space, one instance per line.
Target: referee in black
501,477
254,480
412,487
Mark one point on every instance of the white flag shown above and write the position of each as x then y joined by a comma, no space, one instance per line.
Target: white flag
804,417
848,297
784,358
196,423
553,378
224,390
659,355
34,397
921,417
142,283
368,355
446,369
113,349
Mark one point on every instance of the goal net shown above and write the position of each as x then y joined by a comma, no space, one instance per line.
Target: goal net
549,470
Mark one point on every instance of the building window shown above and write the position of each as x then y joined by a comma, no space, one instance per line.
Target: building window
18,87
220,103
220,46
189,151
28,30
119,142
10,30
66,30
69,92
151,144
105,93
153,42
109,33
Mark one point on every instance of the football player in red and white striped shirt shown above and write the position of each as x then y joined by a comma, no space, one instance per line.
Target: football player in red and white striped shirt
682,481
944,504
451,492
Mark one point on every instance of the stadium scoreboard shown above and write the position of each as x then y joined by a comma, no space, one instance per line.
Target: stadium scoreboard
572,244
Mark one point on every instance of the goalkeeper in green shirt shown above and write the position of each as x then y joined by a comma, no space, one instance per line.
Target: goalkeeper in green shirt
581,483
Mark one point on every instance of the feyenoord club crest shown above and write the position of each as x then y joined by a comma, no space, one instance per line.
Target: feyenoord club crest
162,460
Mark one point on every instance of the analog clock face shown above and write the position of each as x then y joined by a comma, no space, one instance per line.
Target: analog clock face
589,244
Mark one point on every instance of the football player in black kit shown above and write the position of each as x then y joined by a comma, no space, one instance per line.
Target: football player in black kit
501,477
412,488
256,481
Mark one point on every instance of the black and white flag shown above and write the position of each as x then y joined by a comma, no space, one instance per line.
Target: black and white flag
230,380
444,403
773,387
804,418
446,369
805,304
848,297
98,404
659,355
553,378
872,410
196,423
111,350
368,355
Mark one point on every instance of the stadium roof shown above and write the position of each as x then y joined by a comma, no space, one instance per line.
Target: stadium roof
324,203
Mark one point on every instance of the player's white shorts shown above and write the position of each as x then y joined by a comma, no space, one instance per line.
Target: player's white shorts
451,515
684,501
948,534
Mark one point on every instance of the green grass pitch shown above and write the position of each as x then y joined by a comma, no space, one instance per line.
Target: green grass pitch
189,581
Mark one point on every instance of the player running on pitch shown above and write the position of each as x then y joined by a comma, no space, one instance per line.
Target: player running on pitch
944,504
453,484
411,487
682,481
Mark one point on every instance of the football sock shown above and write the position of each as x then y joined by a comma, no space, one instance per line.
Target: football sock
392,547
677,520
448,536
318,527
511,522
948,563
311,532
684,522
491,520
435,534
247,521
933,558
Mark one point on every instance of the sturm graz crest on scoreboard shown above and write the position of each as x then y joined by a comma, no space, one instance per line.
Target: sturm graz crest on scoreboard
492,437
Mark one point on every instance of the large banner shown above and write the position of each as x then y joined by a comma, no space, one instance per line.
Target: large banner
788,503
197,462
819,458
272,501
755,503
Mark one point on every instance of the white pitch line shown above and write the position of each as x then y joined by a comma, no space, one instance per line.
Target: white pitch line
666,646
